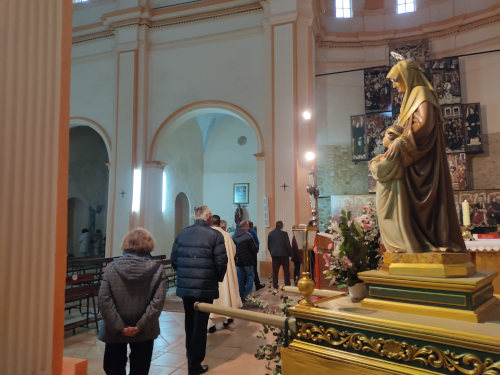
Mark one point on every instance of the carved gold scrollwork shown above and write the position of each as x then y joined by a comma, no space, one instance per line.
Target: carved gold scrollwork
468,364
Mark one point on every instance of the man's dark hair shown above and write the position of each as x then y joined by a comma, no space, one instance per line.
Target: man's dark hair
85,230
279,224
250,224
216,220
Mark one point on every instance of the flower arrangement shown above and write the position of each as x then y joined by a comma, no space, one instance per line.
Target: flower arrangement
355,247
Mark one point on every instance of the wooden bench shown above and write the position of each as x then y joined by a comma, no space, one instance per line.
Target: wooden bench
82,287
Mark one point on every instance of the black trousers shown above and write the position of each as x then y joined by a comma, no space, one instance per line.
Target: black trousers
195,325
277,263
256,276
296,272
115,358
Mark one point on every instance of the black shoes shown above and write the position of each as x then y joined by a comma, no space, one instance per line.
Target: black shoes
229,321
202,370
258,287
211,330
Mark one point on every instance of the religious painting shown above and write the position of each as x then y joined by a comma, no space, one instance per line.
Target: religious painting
472,127
478,208
376,123
493,207
358,138
377,90
446,80
458,170
339,203
417,50
453,128
360,201
241,193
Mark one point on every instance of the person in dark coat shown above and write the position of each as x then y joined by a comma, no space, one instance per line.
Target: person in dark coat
131,298
256,279
297,260
279,246
246,253
199,257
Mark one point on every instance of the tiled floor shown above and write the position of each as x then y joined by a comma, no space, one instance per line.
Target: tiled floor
229,351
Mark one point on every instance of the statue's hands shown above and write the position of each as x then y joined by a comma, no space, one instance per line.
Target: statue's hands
394,149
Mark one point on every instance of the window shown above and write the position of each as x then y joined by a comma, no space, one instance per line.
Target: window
79,1
343,9
406,6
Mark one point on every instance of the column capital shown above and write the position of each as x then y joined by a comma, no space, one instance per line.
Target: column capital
156,164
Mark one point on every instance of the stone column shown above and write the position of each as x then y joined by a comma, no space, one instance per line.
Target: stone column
35,40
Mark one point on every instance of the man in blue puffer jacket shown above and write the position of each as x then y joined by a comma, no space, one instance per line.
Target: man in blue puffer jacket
199,257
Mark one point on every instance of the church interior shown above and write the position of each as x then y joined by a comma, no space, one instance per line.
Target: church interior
119,114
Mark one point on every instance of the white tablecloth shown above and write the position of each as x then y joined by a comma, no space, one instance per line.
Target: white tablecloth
483,245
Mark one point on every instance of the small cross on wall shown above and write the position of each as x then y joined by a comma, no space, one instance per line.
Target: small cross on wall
284,186
122,193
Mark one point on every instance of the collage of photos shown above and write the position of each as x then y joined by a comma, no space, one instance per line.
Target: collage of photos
472,127
358,138
453,128
377,90
376,123
458,170
484,207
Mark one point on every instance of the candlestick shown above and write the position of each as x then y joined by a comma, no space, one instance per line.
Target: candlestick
465,213
311,178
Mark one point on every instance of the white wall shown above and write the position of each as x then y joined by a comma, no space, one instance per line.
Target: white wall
226,163
182,150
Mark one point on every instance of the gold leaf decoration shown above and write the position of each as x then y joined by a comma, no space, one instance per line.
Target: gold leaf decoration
430,356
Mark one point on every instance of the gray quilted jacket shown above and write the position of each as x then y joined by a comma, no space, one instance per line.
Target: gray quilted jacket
132,293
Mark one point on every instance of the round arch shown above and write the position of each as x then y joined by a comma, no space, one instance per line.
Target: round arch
83,121
208,106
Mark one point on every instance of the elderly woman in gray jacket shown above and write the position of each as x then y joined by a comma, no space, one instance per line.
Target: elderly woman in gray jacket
131,299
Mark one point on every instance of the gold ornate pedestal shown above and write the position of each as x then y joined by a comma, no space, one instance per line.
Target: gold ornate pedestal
429,264
342,338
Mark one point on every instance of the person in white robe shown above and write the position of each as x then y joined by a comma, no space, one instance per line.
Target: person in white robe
229,294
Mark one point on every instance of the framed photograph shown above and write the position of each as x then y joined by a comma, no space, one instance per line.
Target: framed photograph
241,192
417,50
377,90
445,75
458,171
453,129
339,203
472,127
376,123
358,138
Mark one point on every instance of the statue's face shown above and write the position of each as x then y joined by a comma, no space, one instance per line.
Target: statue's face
399,84
386,140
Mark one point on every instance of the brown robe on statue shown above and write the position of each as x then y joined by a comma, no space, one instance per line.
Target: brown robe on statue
428,184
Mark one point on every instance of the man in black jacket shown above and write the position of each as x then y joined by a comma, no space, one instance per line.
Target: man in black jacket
199,257
246,255
279,246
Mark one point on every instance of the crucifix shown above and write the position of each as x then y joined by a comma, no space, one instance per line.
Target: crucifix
122,193
284,186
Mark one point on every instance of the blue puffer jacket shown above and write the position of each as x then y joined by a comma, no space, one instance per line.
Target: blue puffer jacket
200,259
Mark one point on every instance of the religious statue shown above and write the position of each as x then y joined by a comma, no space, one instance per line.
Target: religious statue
425,213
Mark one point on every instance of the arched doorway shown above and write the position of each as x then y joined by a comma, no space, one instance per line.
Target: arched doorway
87,190
181,212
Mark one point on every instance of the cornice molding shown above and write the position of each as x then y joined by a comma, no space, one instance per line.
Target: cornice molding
156,164
142,16
443,28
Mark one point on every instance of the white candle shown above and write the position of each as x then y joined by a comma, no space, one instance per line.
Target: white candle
311,178
465,213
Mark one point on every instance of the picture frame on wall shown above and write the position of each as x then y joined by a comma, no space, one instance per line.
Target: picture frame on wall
377,90
458,170
453,128
417,50
446,80
241,193
358,138
376,123
472,127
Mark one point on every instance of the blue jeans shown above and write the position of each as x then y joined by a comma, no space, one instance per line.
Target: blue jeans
245,280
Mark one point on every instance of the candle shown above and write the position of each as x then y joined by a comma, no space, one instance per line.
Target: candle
465,213
311,178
